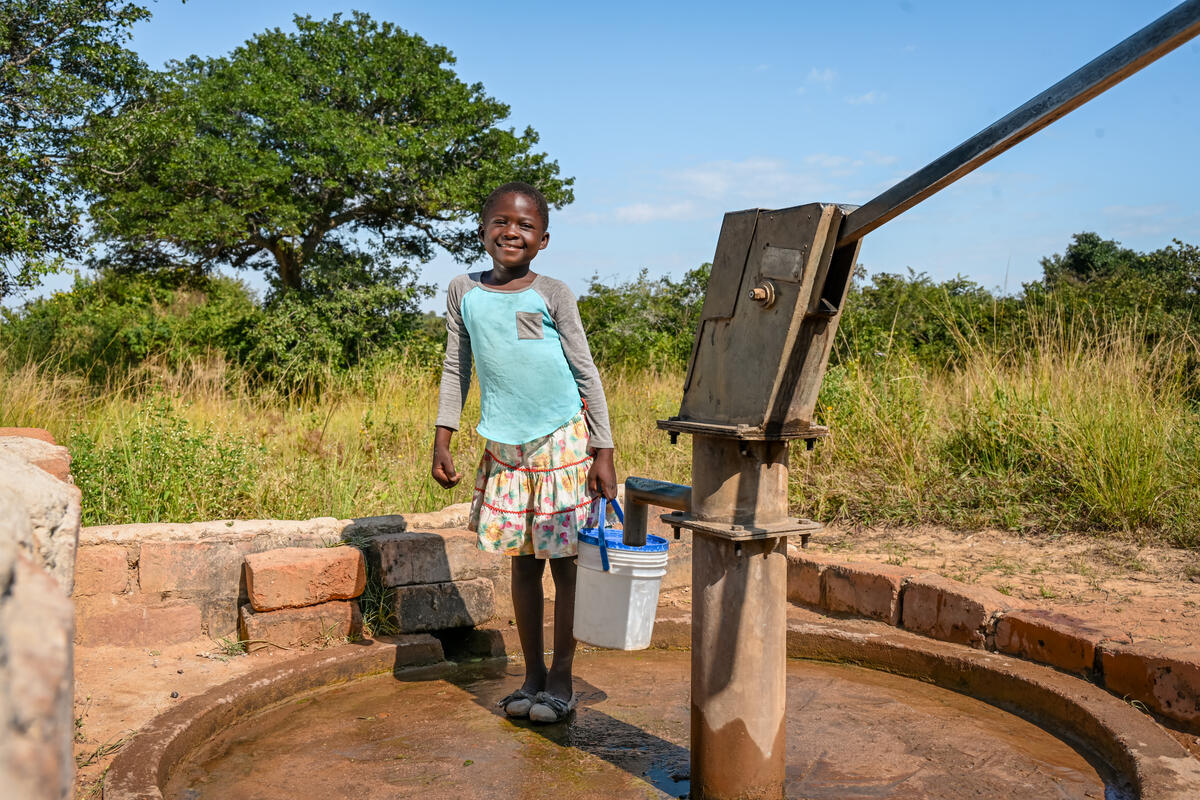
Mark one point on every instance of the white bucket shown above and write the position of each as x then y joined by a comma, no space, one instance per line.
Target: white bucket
616,608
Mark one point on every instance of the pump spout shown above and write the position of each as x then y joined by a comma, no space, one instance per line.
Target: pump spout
640,494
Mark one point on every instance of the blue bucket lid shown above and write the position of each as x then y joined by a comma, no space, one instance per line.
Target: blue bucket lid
613,539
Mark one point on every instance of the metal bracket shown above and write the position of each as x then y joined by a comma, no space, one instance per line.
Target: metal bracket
750,433
791,526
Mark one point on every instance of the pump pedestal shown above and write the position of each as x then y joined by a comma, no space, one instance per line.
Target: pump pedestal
739,620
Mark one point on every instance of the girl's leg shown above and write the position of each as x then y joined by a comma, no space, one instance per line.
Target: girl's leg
559,678
528,605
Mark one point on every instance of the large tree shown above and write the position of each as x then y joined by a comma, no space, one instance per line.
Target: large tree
304,142
60,60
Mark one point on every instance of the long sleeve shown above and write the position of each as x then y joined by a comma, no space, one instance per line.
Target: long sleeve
456,368
565,311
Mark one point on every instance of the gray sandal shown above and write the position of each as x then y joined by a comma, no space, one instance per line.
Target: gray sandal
548,708
518,703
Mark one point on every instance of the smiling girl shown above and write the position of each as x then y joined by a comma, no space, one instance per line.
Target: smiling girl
549,451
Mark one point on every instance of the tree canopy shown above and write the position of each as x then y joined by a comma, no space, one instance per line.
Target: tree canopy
59,61
297,147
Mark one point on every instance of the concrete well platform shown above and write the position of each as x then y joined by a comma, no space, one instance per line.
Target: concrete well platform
369,721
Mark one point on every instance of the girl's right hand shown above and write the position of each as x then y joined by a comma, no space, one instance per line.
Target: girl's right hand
443,469
443,465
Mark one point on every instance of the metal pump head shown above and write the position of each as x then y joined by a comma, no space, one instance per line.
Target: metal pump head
772,308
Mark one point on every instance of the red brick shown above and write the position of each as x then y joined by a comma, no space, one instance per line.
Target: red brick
324,624
1049,638
438,606
951,611
31,433
101,569
414,557
58,465
293,577
189,566
804,573
132,624
1167,680
868,590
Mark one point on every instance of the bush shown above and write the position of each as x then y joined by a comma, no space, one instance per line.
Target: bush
161,468
350,308
113,321
644,323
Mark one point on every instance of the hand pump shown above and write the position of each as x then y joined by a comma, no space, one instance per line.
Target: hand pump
774,300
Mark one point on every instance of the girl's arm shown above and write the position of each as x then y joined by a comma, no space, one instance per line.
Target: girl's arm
456,381
602,476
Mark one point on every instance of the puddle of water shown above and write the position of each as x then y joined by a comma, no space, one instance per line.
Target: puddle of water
853,734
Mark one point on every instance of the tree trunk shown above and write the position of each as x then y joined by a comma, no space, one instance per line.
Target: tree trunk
289,264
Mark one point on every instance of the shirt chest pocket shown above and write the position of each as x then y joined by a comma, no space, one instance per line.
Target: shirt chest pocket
529,325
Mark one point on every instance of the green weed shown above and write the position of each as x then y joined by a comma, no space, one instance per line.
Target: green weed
156,466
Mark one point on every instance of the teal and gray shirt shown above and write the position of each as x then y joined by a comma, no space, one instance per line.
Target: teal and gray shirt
535,369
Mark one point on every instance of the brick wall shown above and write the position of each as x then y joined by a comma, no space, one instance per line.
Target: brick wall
1164,680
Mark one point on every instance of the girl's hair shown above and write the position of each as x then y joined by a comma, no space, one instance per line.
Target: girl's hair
518,187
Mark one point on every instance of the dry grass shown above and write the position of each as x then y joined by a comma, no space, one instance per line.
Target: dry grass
1085,431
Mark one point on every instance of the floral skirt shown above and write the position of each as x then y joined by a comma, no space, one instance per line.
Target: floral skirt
532,498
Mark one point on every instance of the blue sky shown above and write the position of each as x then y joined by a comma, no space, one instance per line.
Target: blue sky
670,114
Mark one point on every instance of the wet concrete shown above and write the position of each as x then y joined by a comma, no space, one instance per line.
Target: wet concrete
435,733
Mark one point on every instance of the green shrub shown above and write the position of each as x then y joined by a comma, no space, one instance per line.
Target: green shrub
113,321
349,309
158,467
644,323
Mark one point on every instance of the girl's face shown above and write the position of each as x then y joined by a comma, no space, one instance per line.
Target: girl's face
513,232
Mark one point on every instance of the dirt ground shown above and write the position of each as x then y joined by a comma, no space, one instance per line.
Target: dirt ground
1142,593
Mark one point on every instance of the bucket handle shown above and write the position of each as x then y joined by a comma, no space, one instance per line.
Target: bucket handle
600,531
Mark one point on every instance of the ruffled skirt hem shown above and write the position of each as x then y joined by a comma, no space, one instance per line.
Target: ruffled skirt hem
532,498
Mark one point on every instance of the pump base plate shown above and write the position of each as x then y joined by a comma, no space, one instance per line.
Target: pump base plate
791,526
749,433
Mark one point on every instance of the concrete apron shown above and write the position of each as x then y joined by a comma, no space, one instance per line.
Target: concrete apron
1140,753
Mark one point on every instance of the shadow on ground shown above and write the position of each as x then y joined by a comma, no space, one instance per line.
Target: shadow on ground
483,674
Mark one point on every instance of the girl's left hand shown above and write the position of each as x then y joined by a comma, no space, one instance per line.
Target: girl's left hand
602,475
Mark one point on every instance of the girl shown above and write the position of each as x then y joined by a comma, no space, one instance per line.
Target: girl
549,450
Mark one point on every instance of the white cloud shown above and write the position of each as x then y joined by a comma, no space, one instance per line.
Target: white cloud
827,160
865,99
761,180
1157,222
575,216
707,190
637,213
840,166
1136,212
823,77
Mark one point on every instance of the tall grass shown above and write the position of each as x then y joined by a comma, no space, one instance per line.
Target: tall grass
1086,430
1075,430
